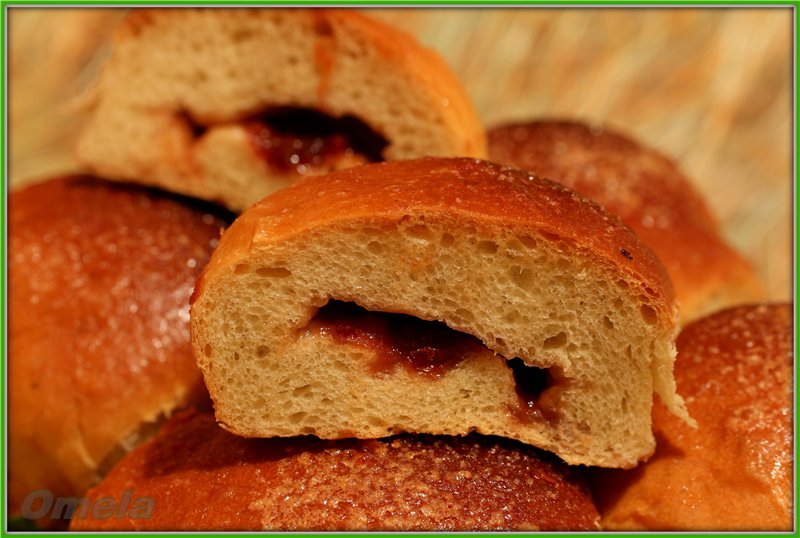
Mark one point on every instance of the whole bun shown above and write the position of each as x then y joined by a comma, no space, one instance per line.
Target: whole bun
231,104
437,296
648,192
202,478
734,472
100,278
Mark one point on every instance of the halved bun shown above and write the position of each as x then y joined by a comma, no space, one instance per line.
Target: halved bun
201,478
734,472
100,278
528,268
178,97
648,192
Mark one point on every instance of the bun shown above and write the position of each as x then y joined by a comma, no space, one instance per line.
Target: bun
648,192
100,277
734,472
187,93
575,315
203,478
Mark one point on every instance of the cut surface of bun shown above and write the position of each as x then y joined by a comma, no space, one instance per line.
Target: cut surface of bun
648,192
438,296
201,477
734,472
100,276
231,104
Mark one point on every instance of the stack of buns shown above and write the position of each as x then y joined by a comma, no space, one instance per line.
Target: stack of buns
301,327
101,274
437,342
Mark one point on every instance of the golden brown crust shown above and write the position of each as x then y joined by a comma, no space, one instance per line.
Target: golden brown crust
648,192
734,472
100,276
204,478
475,191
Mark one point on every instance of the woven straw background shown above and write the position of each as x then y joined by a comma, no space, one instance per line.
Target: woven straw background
710,87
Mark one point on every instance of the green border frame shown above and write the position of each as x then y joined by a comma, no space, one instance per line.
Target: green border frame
5,4
410,3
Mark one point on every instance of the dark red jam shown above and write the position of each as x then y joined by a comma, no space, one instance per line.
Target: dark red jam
536,393
427,348
431,349
305,142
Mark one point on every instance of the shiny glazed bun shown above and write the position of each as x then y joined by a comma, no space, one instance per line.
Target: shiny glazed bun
99,277
231,104
734,472
201,477
437,296
648,192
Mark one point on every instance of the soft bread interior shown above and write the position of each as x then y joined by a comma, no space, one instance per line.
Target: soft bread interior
526,297
218,66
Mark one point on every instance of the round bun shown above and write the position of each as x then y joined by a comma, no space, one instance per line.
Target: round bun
202,478
566,320
180,95
648,192
100,278
734,472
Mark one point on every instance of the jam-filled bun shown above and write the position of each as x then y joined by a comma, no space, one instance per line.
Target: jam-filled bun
648,192
734,472
200,477
231,104
100,276
566,320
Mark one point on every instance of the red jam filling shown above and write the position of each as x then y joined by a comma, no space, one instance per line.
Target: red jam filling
427,348
430,349
307,142
536,394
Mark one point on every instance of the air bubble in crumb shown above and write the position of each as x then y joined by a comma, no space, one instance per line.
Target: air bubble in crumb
273,272
522,277
649,314
559,340
487,247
